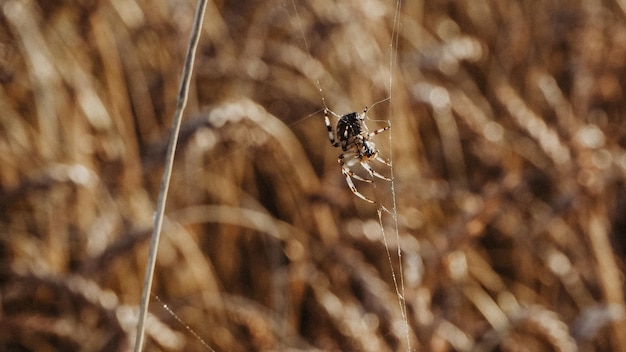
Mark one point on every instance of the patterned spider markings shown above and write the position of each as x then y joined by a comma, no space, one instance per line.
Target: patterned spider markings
352,134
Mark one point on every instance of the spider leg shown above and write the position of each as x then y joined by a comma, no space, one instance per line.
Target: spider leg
381,160
357,177
373,172
372,134
327,110
348,174
364,114
329,127
345,167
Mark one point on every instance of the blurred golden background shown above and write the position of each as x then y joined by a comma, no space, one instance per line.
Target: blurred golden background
508,144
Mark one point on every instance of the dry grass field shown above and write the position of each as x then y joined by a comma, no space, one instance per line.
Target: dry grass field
508,144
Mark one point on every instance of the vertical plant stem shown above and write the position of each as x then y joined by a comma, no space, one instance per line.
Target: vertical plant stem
181,102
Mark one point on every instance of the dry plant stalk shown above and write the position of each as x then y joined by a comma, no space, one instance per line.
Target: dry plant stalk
181,102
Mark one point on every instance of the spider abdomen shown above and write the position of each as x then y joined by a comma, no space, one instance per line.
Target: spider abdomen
349,125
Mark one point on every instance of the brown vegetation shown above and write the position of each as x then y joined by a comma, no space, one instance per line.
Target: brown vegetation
508,142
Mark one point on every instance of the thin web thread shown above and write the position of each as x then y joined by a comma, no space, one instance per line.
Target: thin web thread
308,51
187,327
400,290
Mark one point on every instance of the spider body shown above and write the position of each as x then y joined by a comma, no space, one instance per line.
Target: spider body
352,134
348,127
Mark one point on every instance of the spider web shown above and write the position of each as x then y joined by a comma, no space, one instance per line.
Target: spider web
382,211
398,278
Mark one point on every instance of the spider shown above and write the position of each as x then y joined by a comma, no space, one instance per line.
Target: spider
354,137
